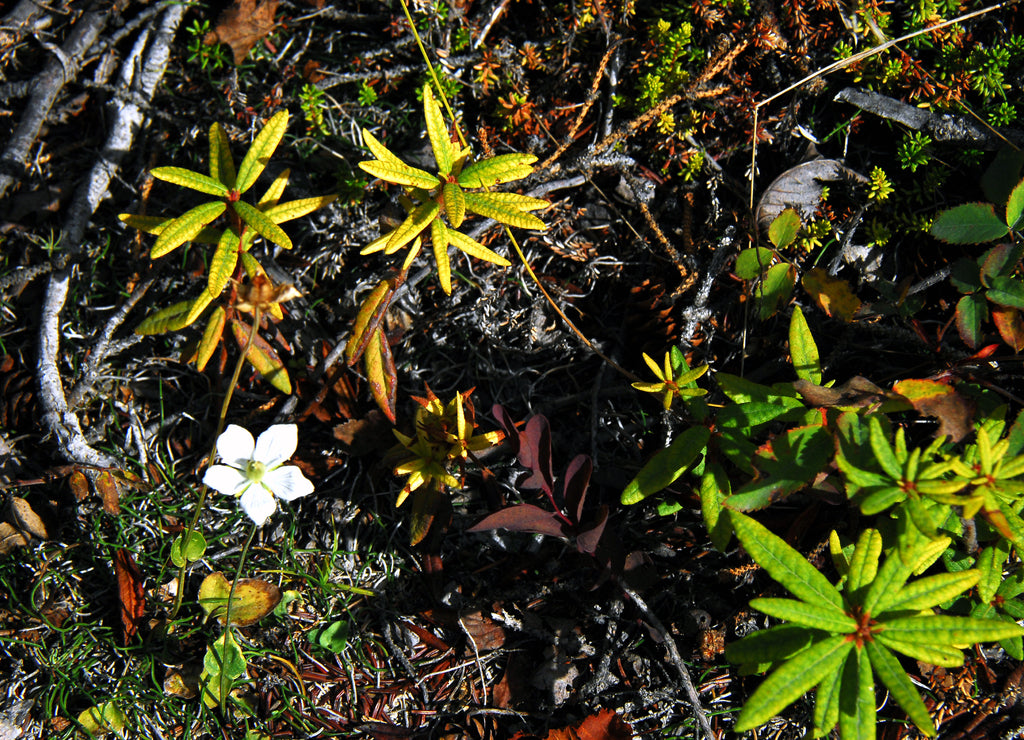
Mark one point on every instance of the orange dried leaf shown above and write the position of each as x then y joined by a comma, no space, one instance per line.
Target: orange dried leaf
131,592
833,296
940,401
243,25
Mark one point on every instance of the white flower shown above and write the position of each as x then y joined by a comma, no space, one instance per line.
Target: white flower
254,470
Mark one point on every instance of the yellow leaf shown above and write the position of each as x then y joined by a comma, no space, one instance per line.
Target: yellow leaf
261,151
833,295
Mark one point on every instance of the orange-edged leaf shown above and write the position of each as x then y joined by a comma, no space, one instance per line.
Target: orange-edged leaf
1010,325
437,132
297,208
475,249
191,180
224,260
222,166
439,239
938,400
833,295
454,204
497,170
501,208
262,357
380,151
185,227
400,174
167,319
132,594
255,270
368,319
409,229
211,337
380,372
262,225
252,600
274,192
261,151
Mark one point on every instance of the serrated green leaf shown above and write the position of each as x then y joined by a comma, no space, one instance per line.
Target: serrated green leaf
507,208
497,170
857,699
211,337
222,166
401,174
943,630
437,132
768,646
816,616
189,179
792,680
475,249
667,465
293,209
258,221
263,357
185,227
167,319
783,563
1006,290
414,223
971,311
261,151
784,228
802,349
454,204
864,561
1001,259
222,265
439,240
1015,207
891,673
925,593
970,223
750,263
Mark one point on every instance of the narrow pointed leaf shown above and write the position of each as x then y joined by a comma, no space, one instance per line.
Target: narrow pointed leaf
380,372
889,580
475,249
439,239
185,227
437,132
198,306
222,265
949,657
400,174
189,179
211,337
506,210
296,208
274,192
261,151
497,170
891,673
415,223
222,166
826,704
666,466
990,565
939,629
792,680
522,518
864,562
454,204
882,499
802,349
925,593
783,563
857,699
147,224
263,357
167,319
380,151
883,451
821,617
370,315
262,225
770,645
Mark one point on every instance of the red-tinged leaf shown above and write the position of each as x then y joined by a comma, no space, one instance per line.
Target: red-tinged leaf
833,295
79,484
588,539
605,725
211,337
971,310
1010,325
574,487
371,314
507,425
132,594
1007,291
380,372
535,454
522,518
262,356
970,223
940,401
1001,260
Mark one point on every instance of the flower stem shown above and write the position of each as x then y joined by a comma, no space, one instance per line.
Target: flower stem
231,599
203,490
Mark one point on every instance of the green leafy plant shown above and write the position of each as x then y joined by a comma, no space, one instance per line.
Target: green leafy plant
312,100
232,257
840,641
209,57
675,379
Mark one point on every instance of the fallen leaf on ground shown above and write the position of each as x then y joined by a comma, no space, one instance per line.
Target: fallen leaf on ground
942,402
132,593
243,25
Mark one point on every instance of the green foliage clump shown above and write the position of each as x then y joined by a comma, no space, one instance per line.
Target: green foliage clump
666,71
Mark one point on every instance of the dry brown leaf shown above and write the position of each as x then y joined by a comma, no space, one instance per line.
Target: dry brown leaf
243,25
26,518
940,401
106,486
131,592
10,538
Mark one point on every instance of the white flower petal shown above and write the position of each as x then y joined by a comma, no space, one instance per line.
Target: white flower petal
226,479
235,446
258,504
276,444
287,482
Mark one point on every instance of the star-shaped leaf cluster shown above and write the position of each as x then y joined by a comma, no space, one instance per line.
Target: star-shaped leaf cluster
441,201
674,379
